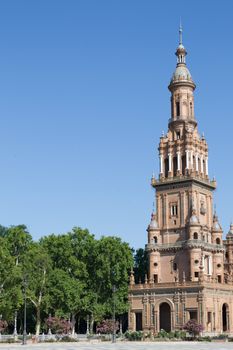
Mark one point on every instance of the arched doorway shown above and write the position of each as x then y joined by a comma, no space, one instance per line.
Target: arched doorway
165,317
225,318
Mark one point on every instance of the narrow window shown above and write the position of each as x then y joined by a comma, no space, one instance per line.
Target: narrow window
155,278
155,239
208,317
218,241
195,235
219,279
166,167
183,164
178,135
177,109
174,210
196,274
191,109
175,266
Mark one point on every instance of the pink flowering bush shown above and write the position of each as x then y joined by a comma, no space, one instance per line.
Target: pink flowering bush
3,325
193,327
58,325
107,327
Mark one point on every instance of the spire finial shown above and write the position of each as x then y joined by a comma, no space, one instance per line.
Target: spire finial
180,33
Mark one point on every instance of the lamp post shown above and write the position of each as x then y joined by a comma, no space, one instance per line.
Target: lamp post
114,315
25,312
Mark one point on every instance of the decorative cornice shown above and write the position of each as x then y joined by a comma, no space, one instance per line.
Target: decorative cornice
188,244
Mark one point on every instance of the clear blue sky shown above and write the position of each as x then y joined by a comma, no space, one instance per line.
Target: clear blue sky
83,102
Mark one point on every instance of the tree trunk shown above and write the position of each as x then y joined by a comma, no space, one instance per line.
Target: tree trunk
121,333
92,324
73,322
38,321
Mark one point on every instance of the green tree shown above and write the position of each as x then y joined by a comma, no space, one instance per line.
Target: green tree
71,255
140,265
36,270
112,262
18,239
10,277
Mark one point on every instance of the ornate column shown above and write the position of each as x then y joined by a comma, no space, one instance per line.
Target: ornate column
196,159
158,209
200,309
191,159
209,199
182,208
161,164
178,161
169,163
145,312
202,168
176,303
183,313
164,210
206,167
156,322
187,159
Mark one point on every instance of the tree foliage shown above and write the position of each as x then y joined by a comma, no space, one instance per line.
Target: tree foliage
68,276
140,265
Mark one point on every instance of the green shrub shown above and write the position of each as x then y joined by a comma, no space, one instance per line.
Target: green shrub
50,340
220,337
134,336
68,339
10,341
163,334
206,338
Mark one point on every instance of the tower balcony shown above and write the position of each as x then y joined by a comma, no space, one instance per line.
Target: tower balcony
156,183
188,244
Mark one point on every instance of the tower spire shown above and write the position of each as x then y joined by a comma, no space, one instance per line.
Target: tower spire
180,34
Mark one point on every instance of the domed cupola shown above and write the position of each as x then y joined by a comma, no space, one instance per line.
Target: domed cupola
216,225
230,233
194,219
153,223
181,74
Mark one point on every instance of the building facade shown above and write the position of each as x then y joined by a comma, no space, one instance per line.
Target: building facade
190,273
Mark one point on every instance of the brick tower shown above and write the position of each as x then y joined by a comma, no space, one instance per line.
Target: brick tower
190,266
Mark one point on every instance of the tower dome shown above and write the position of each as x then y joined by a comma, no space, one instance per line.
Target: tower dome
181,74
216,224
194,219
230,233
153,223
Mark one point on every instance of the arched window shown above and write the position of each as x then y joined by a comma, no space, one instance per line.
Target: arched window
175,266
195,235
218,241
155,239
